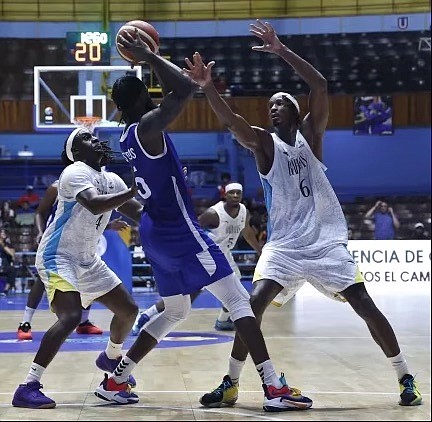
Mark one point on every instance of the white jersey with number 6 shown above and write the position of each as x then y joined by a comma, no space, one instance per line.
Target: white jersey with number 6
303,210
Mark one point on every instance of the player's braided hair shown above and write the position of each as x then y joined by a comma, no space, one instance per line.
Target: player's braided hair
125,93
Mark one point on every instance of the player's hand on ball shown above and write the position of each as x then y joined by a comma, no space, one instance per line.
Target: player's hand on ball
198,71
135,44
263,30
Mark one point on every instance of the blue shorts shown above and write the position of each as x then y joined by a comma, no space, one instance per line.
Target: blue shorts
190,273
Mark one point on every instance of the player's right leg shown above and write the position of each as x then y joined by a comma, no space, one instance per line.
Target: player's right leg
278,396
33,300
150,313
66,303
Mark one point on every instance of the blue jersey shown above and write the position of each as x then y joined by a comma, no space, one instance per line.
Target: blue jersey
169,225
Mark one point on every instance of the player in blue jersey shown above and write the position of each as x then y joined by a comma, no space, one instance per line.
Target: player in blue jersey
183,257
307,231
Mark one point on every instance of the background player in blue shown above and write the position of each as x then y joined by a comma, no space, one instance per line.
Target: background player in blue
307,231
184,259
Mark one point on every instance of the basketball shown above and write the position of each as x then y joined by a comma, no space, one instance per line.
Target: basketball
147,32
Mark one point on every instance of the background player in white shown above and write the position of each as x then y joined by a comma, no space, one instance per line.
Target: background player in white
307,232
73,274
225,221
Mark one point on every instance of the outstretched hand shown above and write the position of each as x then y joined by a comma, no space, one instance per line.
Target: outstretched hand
265,31
135,44
198,71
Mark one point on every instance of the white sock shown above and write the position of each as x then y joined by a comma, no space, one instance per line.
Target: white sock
85,315
268,375
113,350
28,314
151,311
399,365
35,373
234,369
123,370
223,315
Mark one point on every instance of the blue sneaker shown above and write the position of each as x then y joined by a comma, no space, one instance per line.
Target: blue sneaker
106,364
227,325
29,395
109,390
140,321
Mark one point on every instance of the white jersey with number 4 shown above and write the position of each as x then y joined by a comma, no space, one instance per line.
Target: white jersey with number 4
303,210
228,231
75,231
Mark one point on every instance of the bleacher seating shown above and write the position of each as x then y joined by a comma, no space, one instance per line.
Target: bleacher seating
354,63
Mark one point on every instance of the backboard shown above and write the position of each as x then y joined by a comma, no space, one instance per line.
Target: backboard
64,93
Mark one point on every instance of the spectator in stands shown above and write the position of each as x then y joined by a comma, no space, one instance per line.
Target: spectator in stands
25,215
7,214
7,267
225,180
350,233
386,221
419,232
30,196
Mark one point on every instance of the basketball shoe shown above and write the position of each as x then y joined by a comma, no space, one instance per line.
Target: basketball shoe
410,395
29,395
226,393
109,390
284,398
24,331
87,327
106,364
227,325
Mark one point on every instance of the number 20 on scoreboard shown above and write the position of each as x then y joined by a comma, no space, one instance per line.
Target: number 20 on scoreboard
87,48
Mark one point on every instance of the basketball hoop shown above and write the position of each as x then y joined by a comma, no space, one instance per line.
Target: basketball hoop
88,122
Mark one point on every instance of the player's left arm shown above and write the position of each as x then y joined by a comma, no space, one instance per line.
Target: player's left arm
249,234
315,122
132,209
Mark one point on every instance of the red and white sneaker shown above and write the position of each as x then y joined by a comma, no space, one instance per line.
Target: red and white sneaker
109,390
87,327
24,331
284,398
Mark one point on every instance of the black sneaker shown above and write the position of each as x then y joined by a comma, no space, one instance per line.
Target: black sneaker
410,395
226,393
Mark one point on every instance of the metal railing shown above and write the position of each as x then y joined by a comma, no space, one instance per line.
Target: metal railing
173,10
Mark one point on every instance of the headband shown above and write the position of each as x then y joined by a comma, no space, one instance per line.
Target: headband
69,142
293,100
233,186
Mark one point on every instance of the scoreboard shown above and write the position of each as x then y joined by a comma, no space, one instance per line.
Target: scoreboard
88,48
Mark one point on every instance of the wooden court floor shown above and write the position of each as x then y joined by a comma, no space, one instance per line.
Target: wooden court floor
321,345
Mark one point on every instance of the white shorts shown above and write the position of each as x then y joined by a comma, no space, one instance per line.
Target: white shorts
330,271
91,281
229,256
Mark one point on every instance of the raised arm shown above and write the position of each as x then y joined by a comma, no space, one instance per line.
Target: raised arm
395,220
371,212
315,122
178,86
258,140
